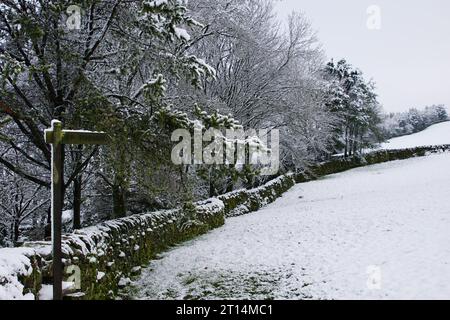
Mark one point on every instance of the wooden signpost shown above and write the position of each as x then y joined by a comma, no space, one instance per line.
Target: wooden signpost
56,136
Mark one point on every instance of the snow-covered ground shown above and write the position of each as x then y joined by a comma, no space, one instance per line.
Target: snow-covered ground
381,231
434,135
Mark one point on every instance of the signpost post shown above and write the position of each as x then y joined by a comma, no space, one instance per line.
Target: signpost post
56,136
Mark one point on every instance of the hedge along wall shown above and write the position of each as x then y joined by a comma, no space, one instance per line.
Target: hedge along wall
108,253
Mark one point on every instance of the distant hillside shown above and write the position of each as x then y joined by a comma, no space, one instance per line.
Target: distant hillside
433,135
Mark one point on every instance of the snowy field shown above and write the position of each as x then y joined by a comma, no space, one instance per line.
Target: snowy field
434,135
378,232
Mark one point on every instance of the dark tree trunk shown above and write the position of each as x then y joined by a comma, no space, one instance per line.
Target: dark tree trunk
119,202
77,202
212,190
346,142
351,141
230,185
355,142
77,186
212,187
230,182
48,226
16,231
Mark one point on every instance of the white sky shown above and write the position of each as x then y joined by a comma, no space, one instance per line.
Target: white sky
409,57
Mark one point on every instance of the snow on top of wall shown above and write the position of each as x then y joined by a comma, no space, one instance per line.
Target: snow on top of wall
271,183
232,194
210,205
256,190
96,239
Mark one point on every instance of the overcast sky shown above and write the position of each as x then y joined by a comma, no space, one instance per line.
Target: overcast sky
408,57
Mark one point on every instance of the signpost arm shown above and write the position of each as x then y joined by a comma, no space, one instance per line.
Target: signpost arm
57,201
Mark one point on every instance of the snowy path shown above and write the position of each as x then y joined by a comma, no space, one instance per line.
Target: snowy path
386,224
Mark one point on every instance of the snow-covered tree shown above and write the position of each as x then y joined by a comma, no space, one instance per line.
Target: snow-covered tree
354,101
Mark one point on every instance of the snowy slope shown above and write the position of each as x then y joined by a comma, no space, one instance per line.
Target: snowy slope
380,231
434,135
